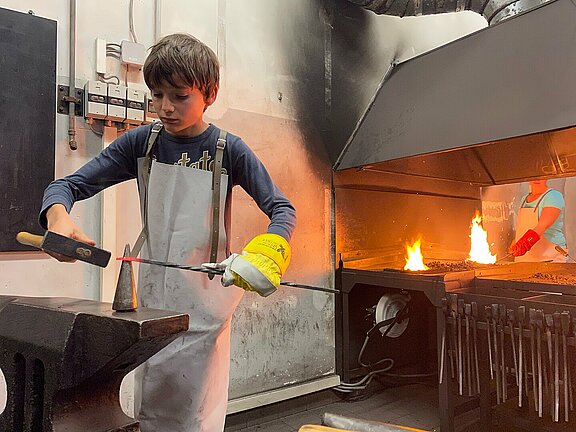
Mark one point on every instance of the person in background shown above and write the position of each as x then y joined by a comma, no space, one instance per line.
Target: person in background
540,225
181,165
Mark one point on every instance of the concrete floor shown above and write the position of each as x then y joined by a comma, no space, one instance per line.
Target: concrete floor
412,405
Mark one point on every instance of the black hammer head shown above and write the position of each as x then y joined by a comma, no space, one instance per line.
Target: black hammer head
57,243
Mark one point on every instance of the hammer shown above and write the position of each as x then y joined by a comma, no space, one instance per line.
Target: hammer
52,242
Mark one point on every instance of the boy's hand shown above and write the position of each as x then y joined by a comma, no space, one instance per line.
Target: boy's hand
60,222
261,265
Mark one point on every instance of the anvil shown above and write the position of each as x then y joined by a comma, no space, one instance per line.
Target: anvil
64,360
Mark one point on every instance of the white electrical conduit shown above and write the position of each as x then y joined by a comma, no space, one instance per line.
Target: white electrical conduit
72,83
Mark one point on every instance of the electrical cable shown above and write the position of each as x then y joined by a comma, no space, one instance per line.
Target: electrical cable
365,381
131,13
104,78
97,132
428,375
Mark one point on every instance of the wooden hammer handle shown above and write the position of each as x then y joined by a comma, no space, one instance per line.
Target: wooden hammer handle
29,239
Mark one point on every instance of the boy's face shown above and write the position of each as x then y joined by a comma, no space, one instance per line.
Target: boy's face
181,109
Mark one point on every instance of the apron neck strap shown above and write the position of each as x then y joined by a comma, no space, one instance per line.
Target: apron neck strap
152,138
216,180
539,199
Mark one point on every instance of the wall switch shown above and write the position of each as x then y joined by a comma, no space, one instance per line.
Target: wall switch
135,99
100,56
95,99
116,103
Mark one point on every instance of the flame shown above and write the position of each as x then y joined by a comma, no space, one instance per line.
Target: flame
414,260
479,247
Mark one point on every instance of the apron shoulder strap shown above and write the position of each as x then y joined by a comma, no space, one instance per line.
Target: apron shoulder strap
152,138
216,181
539,200
542,197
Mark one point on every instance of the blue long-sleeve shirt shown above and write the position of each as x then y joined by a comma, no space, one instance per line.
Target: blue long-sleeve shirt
118,163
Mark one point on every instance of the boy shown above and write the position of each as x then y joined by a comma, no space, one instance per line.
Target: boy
184,387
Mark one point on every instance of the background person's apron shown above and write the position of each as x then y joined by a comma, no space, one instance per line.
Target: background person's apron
544,249
184,388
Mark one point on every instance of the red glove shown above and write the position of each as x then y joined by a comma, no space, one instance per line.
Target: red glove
524,243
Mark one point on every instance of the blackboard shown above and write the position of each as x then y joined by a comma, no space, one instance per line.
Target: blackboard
27,121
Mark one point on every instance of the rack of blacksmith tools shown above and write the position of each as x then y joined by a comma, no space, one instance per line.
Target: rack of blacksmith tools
511,334
496,345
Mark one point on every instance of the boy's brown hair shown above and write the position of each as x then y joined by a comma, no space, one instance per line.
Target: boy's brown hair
182,59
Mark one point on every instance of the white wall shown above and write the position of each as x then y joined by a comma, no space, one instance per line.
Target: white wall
240,32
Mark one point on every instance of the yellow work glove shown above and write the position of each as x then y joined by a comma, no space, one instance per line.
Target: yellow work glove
260,266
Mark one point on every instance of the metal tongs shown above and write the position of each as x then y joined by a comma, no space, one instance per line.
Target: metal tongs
564,253
503,258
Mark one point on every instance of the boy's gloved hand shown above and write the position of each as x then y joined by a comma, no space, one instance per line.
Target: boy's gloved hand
524,243
260,266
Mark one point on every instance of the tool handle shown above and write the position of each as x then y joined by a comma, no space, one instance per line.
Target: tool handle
521,313
561,250
28,239
460,306
532,316
556,320
488,312
511,315
549,321
565,319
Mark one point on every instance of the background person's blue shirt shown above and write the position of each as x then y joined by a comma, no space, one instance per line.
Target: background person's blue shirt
555,233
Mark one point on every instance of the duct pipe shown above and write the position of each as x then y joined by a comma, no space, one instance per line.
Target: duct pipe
493,10
72,83
157,20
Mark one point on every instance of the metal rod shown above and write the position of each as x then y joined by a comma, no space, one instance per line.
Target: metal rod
467,313
488,313
219,272
539,324
502,329
532,323
496,353
565,323
475,337
460,363
557,326
521,317
563,252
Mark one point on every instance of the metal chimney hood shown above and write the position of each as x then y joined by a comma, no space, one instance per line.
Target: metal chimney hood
497,106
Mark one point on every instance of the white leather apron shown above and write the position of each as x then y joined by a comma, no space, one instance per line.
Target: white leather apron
184,387
544,249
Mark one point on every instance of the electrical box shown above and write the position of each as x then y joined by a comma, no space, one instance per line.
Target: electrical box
135,105
100,56
95,99
132,53
116,103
